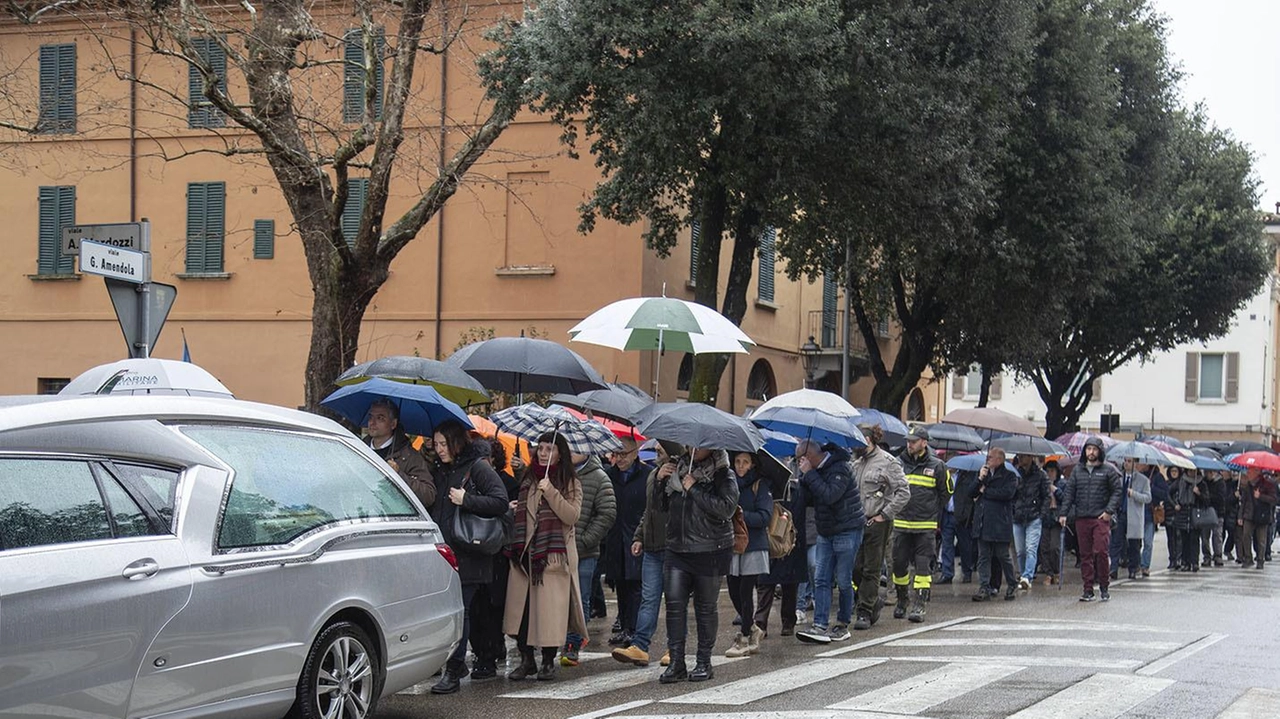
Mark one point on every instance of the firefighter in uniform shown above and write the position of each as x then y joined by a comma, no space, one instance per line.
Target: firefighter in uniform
916,524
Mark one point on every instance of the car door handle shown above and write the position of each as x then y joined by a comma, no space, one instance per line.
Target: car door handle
141,569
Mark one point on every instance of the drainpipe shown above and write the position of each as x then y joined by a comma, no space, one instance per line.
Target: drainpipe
133,124
444,116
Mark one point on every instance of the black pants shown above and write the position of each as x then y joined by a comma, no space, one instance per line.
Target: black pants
913,550
486,624
598,606
742,591
1189,543
1174,535
867,567
765,594
1134,549
628,591
989,552
678,586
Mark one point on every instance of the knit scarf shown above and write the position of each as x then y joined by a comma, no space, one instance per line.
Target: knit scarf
548,531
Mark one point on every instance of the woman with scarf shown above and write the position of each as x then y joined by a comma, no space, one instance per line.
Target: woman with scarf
701,497
756,501
544,601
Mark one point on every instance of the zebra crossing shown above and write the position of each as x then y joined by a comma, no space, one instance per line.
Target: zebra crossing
1038,669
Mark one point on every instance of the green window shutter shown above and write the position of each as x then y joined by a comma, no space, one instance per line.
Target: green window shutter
353,76
200,111
695,239
357,191
57,210
264,239
768,255
830,305
206,222
57,89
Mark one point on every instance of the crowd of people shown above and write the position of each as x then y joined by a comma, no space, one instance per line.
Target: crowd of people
870,529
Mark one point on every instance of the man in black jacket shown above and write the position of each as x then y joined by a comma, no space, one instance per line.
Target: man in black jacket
993,524
1092,499
827,478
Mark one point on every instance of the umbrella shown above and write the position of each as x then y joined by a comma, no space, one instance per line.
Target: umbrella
1171,441
1257,459
531,421
698,425
661,323
772,469
1219,446
1209,463
452,383
620,430
886,422
828,402
523,364
1026,444
1139,452
619,401
421,408
147,376
1166,447
810,423
973,463
1176,460
779,443
954,438
511,443
1246,446
991,418
1074,441
1206,452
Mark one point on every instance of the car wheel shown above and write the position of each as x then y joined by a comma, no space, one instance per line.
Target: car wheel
341,678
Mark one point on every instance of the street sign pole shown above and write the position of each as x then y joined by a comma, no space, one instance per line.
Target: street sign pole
140,305
144,299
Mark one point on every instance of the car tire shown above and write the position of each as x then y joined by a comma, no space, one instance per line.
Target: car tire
342,666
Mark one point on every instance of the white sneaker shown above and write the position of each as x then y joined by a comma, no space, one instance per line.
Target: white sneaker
739,648
1024,584
800,617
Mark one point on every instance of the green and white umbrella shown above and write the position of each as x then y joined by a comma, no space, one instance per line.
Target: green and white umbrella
661,323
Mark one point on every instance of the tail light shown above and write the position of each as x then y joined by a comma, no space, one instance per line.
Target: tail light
447,552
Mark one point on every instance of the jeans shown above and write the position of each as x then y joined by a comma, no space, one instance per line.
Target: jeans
457,660
650,599
586,570
947,557
836,555
1148,537
805,590
1026,538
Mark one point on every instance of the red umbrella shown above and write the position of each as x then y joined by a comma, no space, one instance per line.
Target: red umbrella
618,428
1258,460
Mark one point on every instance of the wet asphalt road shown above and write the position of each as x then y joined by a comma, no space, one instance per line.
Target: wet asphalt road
1174,645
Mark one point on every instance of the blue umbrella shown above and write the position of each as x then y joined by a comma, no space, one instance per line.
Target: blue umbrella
779,444
422,409
1209,463
973,462
812,424
887,422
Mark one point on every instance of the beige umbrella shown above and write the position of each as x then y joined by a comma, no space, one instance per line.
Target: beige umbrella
993,419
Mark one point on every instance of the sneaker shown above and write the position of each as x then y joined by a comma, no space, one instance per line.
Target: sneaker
753,641
862,623
801,617
620,639
814,635
839,633
1104,595
739,647
569,655
1087,597
1024,584
631,655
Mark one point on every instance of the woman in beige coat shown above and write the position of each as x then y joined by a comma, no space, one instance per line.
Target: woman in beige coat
544,601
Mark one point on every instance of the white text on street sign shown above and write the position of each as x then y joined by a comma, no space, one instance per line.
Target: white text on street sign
117,262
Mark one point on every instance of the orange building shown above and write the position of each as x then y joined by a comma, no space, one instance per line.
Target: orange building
503,256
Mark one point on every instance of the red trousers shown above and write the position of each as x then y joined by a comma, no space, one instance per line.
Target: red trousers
1094,536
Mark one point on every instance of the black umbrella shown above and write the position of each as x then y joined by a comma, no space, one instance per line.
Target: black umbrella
620,401
694,424
1219,446
522,364
1023,444
1209,452
954,438
452,383
1246,446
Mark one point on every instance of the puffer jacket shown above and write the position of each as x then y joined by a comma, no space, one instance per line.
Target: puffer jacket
1032,496
834,494
929,483
1092,490
756,501
882,486
599,508
700,519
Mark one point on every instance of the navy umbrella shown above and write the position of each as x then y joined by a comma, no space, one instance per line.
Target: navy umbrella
522,364
421,407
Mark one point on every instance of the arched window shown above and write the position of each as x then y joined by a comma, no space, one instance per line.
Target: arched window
684,378
915,406
760,383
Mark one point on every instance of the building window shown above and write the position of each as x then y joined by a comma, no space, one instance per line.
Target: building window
761,384
695,239
57,210
969,386
1213,377
357,193
264,239
973,382
768,254
51,385
355,77
1211,366
201,113
206,226
57,89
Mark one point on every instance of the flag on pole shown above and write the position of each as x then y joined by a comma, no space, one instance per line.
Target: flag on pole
186,351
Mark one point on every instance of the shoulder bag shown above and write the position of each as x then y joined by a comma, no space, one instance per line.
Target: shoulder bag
482,535
782,528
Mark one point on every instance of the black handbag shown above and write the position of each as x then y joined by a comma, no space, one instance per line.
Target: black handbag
1204,517
481,535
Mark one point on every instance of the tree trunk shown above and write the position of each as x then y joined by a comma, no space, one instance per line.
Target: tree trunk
1062,409
914,352
984,391
708,369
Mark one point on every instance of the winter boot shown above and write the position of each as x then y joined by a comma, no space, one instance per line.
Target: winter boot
548,670
916,614
676,670
527,667
900,607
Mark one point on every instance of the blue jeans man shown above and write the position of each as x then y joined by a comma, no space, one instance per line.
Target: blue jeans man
835,558
804,593
1026,539
650,599
1148,536
573,642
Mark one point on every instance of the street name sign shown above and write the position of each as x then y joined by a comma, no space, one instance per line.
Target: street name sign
129,235
117,262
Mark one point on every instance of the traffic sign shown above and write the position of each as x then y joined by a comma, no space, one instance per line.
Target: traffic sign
132,303
129,235
118,262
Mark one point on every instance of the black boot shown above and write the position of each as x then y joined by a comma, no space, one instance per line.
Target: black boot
701,670
900,607
676,670
548,670
527,668
450,678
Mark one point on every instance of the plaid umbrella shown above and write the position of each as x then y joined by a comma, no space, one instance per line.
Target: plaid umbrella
530,421
1074,441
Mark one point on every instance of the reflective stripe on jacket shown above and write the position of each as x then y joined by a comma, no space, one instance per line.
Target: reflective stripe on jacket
930,486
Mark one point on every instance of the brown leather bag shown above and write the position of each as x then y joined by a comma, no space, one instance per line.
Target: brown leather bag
740,536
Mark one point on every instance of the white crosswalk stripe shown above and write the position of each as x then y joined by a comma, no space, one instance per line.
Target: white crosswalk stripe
1031,661
1101,696
1253,704
1040,642
765,685
918,693
608,681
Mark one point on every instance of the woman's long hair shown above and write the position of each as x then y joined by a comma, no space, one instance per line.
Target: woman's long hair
563,474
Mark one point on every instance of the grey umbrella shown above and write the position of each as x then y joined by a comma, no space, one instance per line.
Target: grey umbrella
452,383
954,438
698,425
1023,444
620,401
523,364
